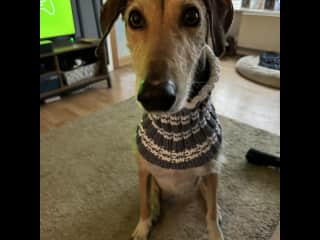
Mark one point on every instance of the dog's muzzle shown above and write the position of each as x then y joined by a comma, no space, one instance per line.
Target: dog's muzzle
158,96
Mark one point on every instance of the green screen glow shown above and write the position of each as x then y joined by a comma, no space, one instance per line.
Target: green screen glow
56,18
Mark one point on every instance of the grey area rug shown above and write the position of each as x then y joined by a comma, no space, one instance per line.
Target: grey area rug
89,183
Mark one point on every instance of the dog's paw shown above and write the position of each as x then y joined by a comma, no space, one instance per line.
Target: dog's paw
214,231
142,230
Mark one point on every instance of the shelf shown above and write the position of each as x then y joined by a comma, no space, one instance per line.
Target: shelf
65,55
69,48
49,73
79,84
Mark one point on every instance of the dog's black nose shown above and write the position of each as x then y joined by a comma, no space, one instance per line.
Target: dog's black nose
157,96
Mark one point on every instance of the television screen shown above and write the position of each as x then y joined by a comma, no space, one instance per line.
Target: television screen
56,18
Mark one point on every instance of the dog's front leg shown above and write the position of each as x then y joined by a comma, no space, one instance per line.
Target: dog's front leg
143,228
209,192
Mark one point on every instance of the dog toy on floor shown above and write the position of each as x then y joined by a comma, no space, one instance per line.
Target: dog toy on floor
261,158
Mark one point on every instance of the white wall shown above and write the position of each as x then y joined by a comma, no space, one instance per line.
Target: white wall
122,48
234,28
257,30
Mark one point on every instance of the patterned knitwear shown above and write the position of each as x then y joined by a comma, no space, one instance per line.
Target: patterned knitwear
186,139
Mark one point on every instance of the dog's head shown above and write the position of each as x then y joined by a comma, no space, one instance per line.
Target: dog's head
166,39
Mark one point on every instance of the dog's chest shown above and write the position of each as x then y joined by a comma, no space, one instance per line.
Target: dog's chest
179,182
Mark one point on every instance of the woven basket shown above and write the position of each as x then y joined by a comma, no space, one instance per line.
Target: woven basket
80,73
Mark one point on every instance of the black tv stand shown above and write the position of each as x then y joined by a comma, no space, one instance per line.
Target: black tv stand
56,60
62,41
56,44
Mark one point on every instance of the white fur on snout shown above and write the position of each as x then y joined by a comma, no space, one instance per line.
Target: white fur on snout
142,230
183,75
182,69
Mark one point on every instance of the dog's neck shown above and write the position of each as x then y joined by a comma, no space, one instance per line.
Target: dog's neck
188,138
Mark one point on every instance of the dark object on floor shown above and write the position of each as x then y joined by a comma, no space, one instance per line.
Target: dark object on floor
261,158
270,60
230,47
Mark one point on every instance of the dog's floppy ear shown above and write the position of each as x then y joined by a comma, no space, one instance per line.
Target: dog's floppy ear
109,14
220,16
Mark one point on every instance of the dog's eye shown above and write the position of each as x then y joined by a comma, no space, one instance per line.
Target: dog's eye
191,17
136,20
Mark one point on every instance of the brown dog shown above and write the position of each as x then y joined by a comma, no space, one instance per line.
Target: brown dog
174,46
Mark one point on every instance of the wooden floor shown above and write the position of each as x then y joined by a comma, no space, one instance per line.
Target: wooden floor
234,97
246,101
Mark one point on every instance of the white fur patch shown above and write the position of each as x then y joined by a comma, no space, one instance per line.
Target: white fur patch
214,77
142,230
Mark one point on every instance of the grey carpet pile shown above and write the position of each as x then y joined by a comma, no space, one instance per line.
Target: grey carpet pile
89,183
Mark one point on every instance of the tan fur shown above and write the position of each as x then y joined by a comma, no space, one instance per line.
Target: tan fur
164,40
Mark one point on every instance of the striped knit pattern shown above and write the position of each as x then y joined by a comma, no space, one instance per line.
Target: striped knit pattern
187,139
